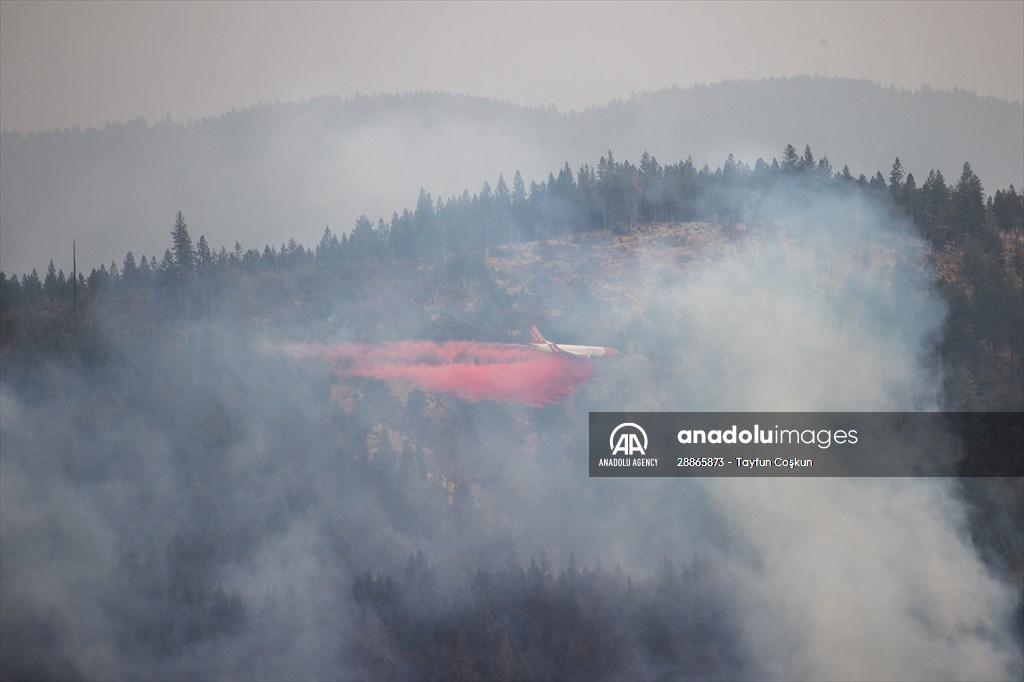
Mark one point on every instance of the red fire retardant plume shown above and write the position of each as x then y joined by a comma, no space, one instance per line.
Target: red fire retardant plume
467,369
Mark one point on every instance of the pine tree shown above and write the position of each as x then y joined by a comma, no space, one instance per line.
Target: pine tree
424,233
31,287
520,208
935,193
908,196
896,181
145,272
608,188
503,210
204,257
98,278
934,200
363,238
62,284
502,197
518,190
824,168
807,160
1008,210
184,255
9,294
50,282
969,203
652,187
325,250
790,159
129,270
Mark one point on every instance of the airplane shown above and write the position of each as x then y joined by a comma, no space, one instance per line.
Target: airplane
586,352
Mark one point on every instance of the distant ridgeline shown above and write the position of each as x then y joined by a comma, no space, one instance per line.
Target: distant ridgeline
384,271
272,171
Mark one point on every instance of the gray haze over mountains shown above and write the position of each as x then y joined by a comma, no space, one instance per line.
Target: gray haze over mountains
274,172
195,461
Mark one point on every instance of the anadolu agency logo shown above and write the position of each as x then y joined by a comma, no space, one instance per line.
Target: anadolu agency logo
628,439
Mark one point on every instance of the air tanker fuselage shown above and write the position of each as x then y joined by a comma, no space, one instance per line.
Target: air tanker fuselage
540,343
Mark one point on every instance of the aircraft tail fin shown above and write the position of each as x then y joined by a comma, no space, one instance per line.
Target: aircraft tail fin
535,335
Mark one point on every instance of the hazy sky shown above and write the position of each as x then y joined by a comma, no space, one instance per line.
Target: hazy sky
85,63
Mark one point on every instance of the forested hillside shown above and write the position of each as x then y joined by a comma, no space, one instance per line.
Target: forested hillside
182,500
972,247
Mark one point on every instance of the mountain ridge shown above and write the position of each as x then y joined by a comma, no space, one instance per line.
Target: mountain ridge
278,170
